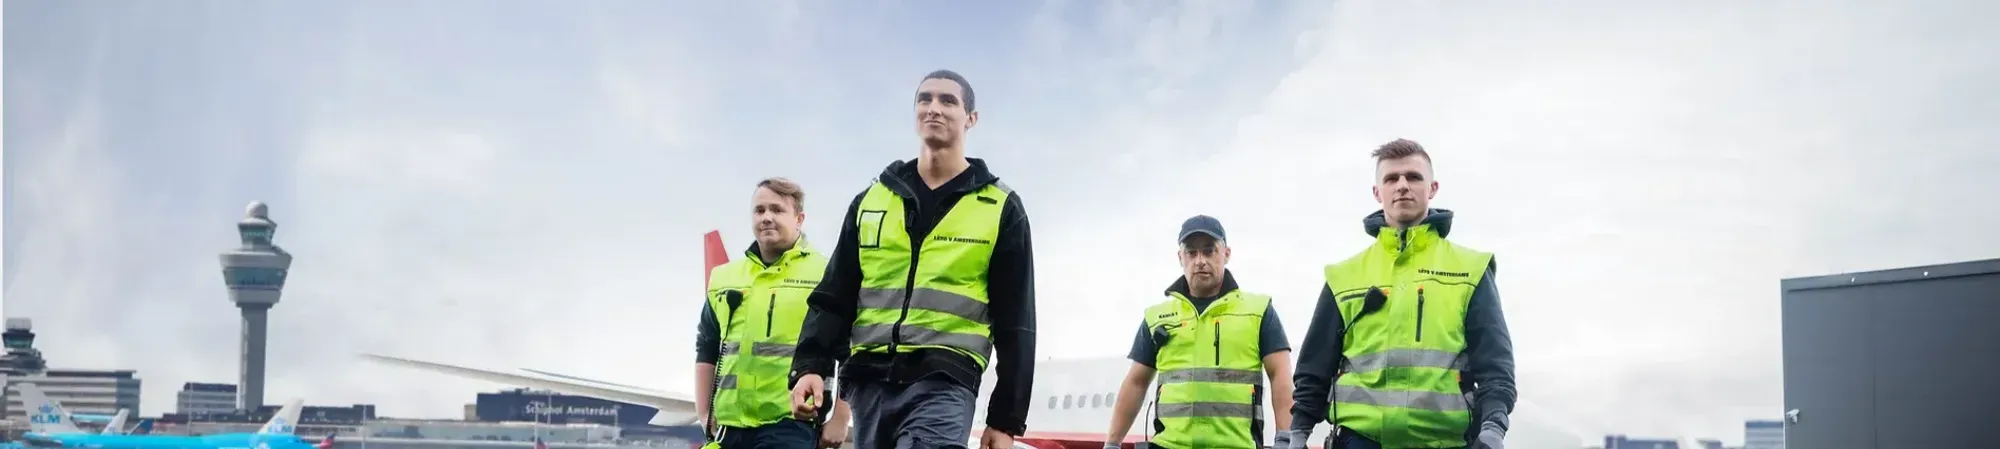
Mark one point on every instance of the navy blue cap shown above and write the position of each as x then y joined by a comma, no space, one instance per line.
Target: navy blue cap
1202,224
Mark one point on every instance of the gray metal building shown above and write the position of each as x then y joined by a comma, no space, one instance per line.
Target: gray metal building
202,398
1894,358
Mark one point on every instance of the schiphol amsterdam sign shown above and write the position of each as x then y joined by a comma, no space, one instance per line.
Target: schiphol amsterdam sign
541,408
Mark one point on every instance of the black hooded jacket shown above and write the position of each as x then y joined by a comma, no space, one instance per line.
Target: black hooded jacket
1489,375
824,338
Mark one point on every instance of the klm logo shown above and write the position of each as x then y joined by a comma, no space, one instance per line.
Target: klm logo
46,414
278,425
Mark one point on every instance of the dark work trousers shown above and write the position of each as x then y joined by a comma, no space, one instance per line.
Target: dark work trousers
785,434
930,413
1350,440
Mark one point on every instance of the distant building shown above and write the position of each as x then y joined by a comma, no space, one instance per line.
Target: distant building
21,359
537,406
313,420
525,405
80,391
1623,442
1710,444
1764,434
205,398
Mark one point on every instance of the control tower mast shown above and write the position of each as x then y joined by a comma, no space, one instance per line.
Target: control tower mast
255,274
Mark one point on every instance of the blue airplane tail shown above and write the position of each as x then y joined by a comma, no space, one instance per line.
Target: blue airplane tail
285,421
45,416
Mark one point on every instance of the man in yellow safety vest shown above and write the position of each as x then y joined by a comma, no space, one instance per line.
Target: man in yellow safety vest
1212,345
932,277
1408,335
749,330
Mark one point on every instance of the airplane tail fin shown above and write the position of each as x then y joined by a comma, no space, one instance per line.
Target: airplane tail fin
145,427
713,254
285,420
44,415
117,423
326,443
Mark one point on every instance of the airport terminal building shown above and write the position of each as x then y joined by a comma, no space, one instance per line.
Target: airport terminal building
502,418
79,390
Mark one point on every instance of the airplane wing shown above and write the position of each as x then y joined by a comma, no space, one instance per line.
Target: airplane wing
667,402
656,399
635,388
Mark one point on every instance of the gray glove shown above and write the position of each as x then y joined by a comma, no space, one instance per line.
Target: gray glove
1490,437
1290,439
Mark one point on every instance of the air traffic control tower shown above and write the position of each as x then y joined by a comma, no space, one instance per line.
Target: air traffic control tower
255,274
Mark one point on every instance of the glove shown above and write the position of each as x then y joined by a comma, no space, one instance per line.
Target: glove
1111,446
1490,437
1290,439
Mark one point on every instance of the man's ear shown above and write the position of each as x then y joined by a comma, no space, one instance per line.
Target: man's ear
801,215
971,118
1434,191
1377,191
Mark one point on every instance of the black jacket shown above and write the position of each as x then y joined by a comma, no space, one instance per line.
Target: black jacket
1010,296
1489,375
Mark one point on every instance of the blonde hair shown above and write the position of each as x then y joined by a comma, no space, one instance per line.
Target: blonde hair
786,188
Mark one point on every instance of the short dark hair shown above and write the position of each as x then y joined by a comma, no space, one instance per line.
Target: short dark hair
788,189
1398,149
956,78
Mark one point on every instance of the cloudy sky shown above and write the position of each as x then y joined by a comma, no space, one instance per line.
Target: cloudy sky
523,184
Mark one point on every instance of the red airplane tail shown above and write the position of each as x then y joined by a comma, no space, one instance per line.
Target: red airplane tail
715,255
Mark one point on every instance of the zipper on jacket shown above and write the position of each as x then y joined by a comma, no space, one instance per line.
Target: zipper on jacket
770,313
1217,325
1420,314
912,209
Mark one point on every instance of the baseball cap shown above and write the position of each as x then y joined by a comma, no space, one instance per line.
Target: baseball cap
1202,224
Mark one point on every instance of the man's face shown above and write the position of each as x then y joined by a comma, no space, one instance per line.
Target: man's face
775,219
1405,188
941,116
1202,259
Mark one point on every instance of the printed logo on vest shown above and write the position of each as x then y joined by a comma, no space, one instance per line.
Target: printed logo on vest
1443,273
952,239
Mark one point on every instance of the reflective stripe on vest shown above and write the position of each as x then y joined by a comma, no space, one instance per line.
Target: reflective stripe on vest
941,302
1211,370
759,333
1400,381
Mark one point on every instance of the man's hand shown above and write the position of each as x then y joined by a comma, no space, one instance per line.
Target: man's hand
832,435
995,439
1289,439
1491,436
806,397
